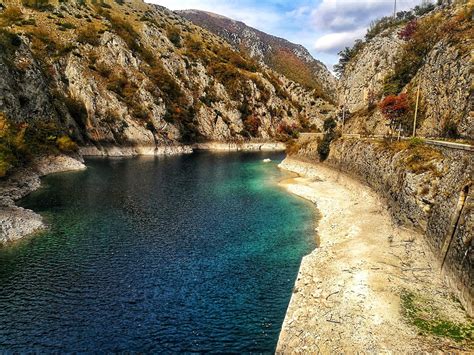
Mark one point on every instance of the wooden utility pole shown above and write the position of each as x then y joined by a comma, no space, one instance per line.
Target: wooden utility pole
416,106
343,118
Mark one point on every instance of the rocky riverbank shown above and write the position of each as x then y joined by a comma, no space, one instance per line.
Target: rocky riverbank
131,151
240,146
349,294
17,222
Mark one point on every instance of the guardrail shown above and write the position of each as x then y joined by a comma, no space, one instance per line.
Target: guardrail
445,144
452,145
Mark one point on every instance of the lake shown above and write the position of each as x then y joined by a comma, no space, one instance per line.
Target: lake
193,253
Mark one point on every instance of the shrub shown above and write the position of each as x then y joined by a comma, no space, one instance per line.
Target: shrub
124,29
425,7
89,34
378,26
422,39
63,26
194,48
394,108
252,124
228,55
20,141
450,130
42,40
11,144
288,130
11,15
66,144
408,31
118,83
415,141
227,75
29,22
9,42
165,82
329,125
324,145
277,85
41,5
346,55
174,35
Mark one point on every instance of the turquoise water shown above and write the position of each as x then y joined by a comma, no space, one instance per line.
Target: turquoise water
194,253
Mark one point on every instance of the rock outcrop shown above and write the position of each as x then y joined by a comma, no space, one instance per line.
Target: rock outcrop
131,74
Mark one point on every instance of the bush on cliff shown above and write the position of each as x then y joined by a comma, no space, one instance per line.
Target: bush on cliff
420,37
395,109
11,145
19,142
11,15
330,134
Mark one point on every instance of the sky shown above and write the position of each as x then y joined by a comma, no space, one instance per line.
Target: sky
324,27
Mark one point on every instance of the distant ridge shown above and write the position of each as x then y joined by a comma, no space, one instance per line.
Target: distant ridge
292,60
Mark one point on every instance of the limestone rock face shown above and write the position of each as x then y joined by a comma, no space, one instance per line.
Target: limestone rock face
445,78
445,91
289,59
148,79
364,76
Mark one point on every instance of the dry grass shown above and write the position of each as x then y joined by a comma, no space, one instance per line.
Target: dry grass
416,156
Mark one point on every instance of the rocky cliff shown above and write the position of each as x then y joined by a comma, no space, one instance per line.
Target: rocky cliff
432,51
289,59
129,74
427,188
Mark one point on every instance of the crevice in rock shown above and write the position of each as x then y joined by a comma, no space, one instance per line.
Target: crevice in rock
455,223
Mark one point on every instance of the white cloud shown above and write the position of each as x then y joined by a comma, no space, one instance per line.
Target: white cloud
340,22
324,26
334,42
258,16
343,15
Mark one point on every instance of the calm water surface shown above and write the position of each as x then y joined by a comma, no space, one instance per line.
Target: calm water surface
181,254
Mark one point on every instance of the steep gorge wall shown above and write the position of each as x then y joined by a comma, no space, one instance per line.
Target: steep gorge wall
426,188
445,76
132,74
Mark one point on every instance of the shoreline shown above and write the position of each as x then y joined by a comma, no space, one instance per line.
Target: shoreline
169,150
347,295
17,222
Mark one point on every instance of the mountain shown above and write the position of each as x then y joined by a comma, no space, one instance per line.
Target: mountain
289,59
111,73
426,54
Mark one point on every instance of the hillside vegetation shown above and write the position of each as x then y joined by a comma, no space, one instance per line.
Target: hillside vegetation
115,72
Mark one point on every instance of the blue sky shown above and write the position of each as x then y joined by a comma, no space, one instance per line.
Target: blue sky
323,26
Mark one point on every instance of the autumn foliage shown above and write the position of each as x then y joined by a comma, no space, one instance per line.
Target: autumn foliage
395,108
408,31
